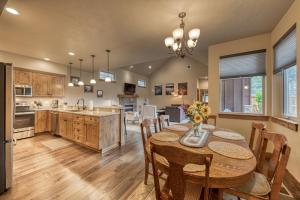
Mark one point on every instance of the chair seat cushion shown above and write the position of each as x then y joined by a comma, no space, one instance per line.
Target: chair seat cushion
258,185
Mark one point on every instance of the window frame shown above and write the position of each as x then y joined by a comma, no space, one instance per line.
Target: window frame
245,113
145,84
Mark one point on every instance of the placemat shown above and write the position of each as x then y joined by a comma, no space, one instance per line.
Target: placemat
228,135
177,128
194,168
208,126
165,137
230,150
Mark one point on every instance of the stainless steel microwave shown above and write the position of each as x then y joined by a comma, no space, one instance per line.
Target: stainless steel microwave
23,90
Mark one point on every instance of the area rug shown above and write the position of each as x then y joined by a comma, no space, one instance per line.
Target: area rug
57,143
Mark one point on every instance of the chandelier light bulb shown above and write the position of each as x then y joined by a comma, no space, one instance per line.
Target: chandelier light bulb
178,34
194,34
70,84
92,81
191,43
176,47
81,83
169,41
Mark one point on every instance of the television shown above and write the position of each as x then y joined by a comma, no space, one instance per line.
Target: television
129,89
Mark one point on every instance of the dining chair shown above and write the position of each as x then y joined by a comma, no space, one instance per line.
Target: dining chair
256,132
211,118
164,121
177,186
147,126
266,185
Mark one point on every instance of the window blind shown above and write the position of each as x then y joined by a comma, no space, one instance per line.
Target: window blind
285,54
243,65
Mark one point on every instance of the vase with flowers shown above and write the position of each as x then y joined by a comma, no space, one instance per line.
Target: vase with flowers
198,112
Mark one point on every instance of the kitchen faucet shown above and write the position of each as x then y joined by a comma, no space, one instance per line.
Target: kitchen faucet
83,106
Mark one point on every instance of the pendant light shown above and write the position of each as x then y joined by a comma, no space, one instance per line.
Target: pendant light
81,83
108,78
70,84
93,81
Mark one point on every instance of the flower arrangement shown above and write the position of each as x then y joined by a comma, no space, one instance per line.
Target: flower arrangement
198,112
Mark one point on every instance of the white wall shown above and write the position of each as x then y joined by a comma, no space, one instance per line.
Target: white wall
110,90
175,71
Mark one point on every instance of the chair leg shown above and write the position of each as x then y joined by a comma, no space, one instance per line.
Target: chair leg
146,171
220,194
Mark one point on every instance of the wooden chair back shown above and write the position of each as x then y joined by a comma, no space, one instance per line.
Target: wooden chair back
211,118
164,121
176,180
146,131
256,130
278,161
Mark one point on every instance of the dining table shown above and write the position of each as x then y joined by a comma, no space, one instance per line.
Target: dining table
225,172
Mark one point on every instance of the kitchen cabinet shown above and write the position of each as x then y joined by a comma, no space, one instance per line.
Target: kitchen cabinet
43,84
79,128
92,132
41,121
23,77
66,126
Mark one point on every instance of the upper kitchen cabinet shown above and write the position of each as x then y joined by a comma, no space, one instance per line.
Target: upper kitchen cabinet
43,84
23,77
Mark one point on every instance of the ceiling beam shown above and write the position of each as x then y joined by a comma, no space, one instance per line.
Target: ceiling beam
2,5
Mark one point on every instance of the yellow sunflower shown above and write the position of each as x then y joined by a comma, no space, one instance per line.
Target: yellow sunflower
197,118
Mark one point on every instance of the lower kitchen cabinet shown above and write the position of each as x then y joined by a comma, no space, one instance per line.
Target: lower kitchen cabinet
81,129
41,122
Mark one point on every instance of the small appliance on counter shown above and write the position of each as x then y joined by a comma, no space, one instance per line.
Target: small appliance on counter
24,121
55,103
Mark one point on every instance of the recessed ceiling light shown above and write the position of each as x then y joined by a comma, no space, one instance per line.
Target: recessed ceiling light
12,11
131,67
150,67
71,53
47,59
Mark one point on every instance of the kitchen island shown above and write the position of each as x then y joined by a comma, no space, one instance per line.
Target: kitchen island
101,129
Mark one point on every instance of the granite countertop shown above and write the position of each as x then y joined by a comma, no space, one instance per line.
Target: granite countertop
80,112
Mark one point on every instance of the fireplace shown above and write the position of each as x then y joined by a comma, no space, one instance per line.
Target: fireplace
129,102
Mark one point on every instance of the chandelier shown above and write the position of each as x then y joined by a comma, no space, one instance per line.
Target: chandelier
179,44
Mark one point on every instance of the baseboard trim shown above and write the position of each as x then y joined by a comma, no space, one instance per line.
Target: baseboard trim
292,184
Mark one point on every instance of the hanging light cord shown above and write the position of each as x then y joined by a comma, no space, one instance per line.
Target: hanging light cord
80,60
108,51
70,69
93,65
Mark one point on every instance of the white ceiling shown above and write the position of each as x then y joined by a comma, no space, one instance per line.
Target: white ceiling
133,29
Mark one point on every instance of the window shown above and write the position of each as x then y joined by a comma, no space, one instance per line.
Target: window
285,68
290,92
103,75
242,82
141,83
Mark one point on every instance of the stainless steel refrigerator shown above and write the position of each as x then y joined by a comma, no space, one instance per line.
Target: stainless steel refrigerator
6,126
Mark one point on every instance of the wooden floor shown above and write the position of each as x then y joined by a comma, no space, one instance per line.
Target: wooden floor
74,172
44,169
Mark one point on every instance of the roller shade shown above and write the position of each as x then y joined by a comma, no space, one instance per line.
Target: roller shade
285,51
243,65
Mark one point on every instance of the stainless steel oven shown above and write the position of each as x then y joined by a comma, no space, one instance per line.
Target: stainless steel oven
23,90
24,122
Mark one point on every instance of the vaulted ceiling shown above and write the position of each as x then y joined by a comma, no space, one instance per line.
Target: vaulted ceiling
133,29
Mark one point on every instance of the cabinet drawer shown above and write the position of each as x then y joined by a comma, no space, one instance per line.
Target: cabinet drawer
78,124
91,120
78,130
78,118
67,116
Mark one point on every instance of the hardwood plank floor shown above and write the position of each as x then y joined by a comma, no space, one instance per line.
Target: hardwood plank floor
74,172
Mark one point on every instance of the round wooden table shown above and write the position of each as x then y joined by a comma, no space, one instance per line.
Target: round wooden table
225,172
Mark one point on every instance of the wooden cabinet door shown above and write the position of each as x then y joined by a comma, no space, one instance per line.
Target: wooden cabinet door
92,135
41,119
58,86
39,84
23,77
69,129
62,125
